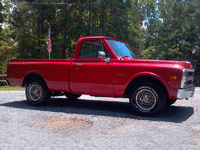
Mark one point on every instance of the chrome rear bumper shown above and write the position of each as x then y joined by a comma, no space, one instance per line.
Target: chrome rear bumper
185,93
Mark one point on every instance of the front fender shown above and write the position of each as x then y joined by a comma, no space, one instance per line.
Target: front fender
149,74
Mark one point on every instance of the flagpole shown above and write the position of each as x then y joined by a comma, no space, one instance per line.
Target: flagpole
50,40
49,55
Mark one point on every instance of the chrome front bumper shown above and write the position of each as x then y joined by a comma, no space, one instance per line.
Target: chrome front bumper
185,93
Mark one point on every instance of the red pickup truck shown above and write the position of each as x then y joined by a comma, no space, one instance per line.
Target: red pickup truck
104,66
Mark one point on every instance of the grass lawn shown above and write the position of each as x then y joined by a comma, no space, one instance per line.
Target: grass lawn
11,88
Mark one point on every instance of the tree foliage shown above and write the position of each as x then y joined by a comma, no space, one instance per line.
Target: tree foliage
173,32
69,20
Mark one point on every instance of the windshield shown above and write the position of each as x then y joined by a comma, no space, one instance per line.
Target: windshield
121,49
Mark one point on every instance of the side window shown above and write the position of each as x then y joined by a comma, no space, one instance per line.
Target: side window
89,49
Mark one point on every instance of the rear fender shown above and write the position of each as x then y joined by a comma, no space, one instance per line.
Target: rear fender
33,74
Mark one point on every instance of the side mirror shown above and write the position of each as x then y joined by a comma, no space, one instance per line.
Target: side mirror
101,54
107,60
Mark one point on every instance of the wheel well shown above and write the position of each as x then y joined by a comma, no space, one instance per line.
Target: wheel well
141,79
33,76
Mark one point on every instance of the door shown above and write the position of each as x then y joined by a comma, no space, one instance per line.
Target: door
90,73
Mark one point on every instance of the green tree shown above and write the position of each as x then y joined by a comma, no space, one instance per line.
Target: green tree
173,31
1,16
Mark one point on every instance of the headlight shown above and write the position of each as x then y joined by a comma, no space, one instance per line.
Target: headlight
184,78
187,77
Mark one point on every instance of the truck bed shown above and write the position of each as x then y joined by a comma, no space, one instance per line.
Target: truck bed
58,80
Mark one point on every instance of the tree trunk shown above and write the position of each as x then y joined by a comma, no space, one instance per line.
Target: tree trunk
63,45
38,38
42,25
90,19
103,19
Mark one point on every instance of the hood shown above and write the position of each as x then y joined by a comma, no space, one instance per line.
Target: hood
177,64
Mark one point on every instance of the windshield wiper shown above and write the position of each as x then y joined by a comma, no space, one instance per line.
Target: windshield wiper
125,56
129,57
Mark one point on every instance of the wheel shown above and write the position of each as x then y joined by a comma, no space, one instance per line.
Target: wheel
147,99
37,92
170,101
71,96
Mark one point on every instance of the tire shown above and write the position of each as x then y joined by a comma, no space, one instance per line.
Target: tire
147,99
37,92
71,96
171,101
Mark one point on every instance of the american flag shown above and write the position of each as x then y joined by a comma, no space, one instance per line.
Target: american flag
48,42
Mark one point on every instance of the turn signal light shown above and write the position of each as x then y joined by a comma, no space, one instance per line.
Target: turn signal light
172,77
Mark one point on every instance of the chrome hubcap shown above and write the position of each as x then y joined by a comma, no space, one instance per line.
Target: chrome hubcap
35,92
146,99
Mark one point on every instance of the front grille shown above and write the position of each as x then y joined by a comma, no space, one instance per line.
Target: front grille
190,73
190,76
189,82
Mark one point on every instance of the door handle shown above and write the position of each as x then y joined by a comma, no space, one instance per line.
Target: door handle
78,64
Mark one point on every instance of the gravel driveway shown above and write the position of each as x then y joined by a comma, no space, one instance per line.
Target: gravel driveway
95,123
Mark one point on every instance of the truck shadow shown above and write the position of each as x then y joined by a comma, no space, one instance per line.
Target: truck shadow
176,114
